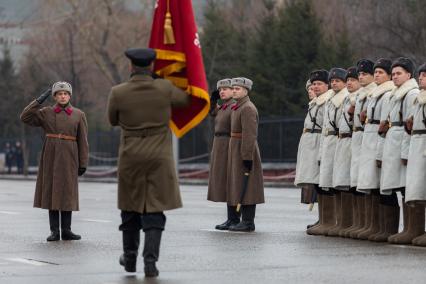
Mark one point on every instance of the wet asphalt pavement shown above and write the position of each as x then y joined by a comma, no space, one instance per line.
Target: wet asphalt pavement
192,251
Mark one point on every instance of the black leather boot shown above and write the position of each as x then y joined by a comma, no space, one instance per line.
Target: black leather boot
131,241
54,226
247,224
151,251
233,219
66,233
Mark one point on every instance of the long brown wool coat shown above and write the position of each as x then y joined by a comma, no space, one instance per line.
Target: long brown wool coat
147,179
57,178
244,120
219,154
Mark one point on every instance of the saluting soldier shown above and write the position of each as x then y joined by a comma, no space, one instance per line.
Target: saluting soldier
416,167
308,154
369,173
219,156
342,156
147,182
64,157
244,157
396,145
333,111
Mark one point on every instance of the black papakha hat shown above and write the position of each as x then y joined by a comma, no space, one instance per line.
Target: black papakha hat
337,73
319,75
366,66
141,57
352,72
405,63
385,64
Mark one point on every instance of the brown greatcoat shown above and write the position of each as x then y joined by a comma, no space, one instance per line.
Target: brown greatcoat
219,154
147,179
57,178
244,120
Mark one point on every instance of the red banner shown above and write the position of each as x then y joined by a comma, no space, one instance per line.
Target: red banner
174,37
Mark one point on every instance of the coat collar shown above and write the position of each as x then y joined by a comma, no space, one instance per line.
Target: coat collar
352,97
68,109
383,88
321,99
338,98
312,102
240,102
366,91
421,98
141,77
401,91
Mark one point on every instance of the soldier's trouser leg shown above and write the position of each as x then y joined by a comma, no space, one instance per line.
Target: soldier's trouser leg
54,226
374,218
233,218
131,224
153,226
248,213
388,218
416,224
66,233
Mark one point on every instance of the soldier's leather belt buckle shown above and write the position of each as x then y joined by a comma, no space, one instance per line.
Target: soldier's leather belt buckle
61,136
309,130
236,135
221,134
418,131
345,135
395,123
144,132
331,132
358,128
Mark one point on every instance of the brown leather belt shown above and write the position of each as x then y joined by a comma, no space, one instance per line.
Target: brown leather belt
331,132
144,132
221,134
345,135
419,131
396,123
356,129
309,130
374,121
61,136
236,135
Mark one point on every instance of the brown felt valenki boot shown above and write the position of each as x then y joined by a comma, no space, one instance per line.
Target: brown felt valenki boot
416,225
355,218
327,214
334,231
390,224
405,214
374,223
360,202
320,218
347,213
367,219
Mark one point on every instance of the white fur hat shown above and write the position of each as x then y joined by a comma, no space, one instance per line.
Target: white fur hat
61,86
224,83
243,82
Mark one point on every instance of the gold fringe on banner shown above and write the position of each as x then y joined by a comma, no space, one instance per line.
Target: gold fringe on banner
169,37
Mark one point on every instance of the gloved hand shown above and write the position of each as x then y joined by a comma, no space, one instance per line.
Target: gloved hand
363,117
351,112
81,171
404,162
383,128
214,97
248,164
379,164
44,96
408,125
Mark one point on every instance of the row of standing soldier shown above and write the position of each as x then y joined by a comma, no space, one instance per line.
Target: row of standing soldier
236,175
363,141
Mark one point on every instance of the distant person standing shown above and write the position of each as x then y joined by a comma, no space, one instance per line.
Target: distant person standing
64,157
8,151
19,157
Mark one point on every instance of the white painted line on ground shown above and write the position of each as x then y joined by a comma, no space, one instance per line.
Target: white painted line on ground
9,213
96,220
27,261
